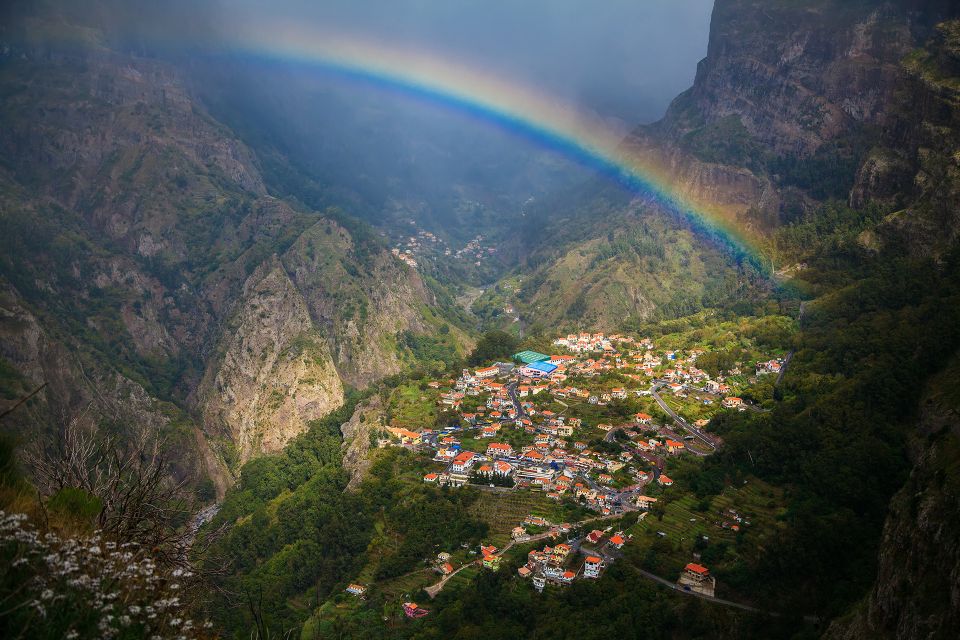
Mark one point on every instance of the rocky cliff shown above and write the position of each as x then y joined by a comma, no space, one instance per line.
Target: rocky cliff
917,592
275,373
788,102
140,246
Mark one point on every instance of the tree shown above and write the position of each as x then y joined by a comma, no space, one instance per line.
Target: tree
494,345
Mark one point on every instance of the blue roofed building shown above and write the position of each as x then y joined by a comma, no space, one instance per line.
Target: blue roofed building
538,370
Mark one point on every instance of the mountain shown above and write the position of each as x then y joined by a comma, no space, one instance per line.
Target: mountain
148,274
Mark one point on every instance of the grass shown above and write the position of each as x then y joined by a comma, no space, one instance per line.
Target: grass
412,407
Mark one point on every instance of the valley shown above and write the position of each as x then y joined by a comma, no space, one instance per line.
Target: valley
312,336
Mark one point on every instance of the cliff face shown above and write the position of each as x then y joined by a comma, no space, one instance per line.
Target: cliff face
788,101
139,246
917,592
275,375
915,167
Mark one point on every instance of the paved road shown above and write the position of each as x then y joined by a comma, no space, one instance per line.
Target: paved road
695,432
433,590
786,362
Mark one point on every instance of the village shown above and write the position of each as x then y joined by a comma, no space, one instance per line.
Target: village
518,426
596,424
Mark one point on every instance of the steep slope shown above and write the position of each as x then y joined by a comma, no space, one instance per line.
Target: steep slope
276,374
140,243
917,593
788,102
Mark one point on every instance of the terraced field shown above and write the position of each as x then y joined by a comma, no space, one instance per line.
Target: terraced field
503,511
684,523
407,586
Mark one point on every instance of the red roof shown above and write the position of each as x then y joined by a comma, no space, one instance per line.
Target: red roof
593,559
697,568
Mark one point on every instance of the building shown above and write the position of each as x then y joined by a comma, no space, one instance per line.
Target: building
592,567
460,468
645,502
499,450
486,372
356,590
405,435
538,370
696,577
528,357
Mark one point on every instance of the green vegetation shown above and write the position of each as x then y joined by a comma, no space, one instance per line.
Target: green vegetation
296,537
492,346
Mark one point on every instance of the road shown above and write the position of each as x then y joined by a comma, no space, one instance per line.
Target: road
512,391
695,432
786,361
433,590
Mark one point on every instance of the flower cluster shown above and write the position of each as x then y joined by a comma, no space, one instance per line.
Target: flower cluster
88,587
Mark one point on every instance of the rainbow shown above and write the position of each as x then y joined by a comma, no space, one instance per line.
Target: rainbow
540,118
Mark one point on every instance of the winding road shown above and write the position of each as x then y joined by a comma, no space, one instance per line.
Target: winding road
695,432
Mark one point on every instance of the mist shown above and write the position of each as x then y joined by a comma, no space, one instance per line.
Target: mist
624,59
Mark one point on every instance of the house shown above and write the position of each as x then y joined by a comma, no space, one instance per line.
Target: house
594,536
539,582
665,481
431,477
643,418
673,446
491,562
732,402
696,577
645,502
404,435
463,462
524,572
617,541
486,372
460,468
592,566
446,568
356,589
618,393
413,610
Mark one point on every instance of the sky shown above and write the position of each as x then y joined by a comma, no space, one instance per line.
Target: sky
623,59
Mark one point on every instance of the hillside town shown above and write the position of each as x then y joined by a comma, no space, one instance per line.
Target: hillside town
518,424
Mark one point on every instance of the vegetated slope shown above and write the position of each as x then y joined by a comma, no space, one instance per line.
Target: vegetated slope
796,104
866,211
138,236
299,530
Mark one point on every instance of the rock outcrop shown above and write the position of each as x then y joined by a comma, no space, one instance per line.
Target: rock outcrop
917,591
275,373
138,239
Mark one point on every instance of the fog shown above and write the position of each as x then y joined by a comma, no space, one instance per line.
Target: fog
620,58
